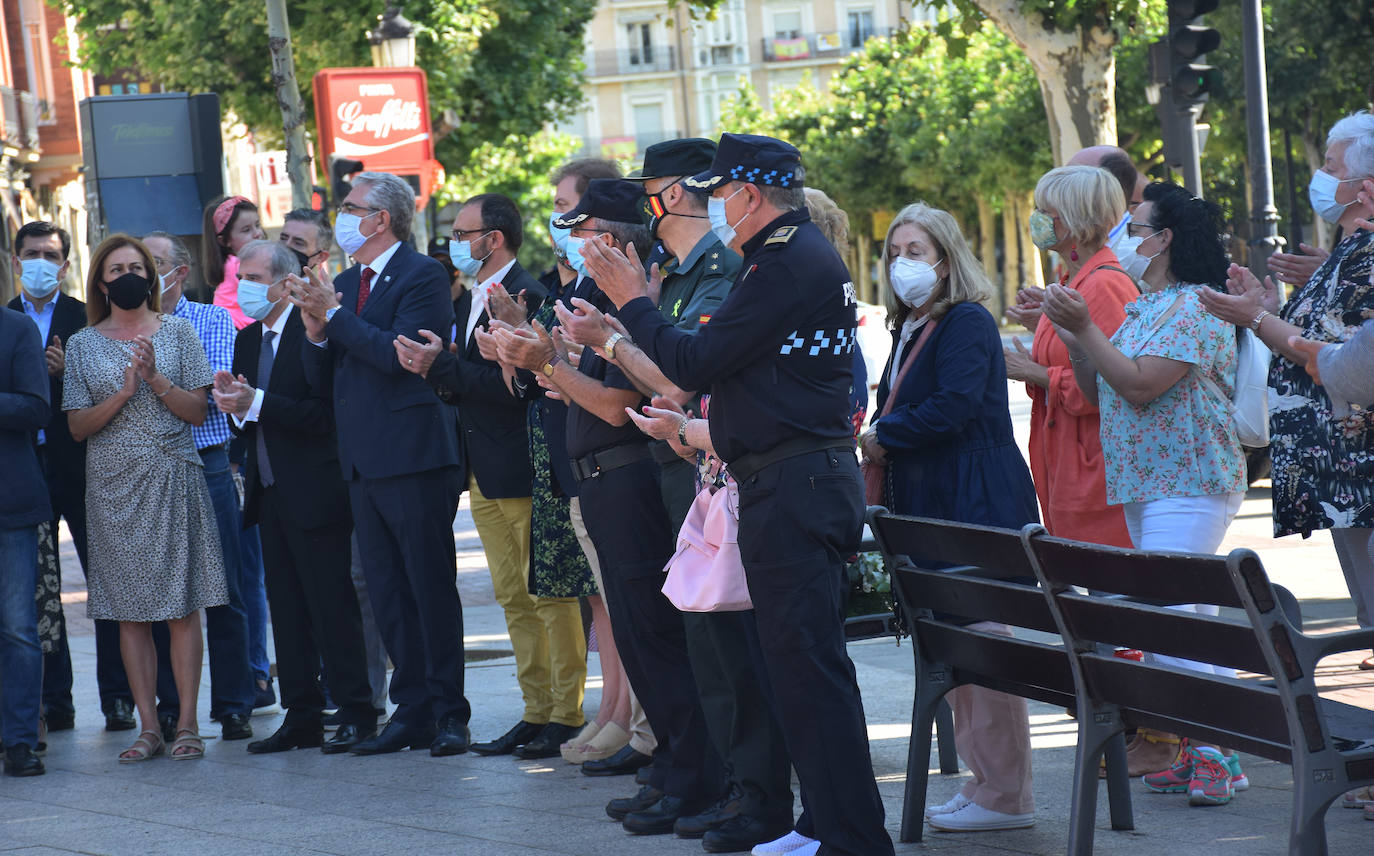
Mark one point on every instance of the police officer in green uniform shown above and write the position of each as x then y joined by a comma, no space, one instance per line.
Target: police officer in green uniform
777,358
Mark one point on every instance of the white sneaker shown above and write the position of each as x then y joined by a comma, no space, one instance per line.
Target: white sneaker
975,818
955,803
792,842
810,849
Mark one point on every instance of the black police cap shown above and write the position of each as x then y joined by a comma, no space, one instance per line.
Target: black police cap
687,156
614,199
750,158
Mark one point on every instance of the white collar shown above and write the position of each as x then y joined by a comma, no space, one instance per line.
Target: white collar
481,291
280,324
379,264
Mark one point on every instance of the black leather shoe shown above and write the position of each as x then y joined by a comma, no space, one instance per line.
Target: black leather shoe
120,716
234,726
657,819
549,742
617,809
168,723
743,833
697,825
622,763
522,733
346,737
60,721
286,738
20,761
395,737
643,774
453,737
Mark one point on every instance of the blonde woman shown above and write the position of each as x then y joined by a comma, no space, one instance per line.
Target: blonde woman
134,385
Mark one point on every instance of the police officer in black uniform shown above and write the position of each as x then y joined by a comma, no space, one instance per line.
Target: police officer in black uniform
627,521
777,358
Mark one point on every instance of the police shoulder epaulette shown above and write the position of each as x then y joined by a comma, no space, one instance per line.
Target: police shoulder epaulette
781,236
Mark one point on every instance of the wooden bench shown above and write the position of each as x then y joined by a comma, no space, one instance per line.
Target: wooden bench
986,576
1277,715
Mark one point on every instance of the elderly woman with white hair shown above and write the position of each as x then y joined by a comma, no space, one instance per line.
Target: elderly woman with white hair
1323,471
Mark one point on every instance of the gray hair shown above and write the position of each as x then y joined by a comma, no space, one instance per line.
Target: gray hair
324,238
1357,129
787,198
392,194
180,255
280,260
625,234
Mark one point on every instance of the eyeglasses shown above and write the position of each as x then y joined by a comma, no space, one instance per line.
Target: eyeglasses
350,208
459,233
1131,227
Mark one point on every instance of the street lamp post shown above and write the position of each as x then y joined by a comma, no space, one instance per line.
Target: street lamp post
1264,217
393,40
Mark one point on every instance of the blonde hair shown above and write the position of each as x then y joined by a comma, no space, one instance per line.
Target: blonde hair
97,304
830,219
964,280
1088,200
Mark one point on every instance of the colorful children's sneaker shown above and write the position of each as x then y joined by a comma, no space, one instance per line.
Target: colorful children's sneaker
1211,782
1239,781
1175,779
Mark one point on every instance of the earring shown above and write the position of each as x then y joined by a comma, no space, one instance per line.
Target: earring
1073,254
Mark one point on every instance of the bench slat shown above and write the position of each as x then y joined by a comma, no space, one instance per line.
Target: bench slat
977,599
1172,577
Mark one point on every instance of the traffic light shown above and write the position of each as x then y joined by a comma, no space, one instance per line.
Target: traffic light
341,171
1191,80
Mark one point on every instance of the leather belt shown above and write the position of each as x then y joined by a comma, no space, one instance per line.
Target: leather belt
749,465
597,463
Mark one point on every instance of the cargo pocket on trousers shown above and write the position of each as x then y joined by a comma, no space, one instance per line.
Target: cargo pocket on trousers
796,602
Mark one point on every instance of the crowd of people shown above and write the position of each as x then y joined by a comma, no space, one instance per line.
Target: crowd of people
685,381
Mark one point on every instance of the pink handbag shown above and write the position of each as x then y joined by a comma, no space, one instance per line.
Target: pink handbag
706,574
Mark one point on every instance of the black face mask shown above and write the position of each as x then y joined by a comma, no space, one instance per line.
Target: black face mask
300,257
129,291
653,210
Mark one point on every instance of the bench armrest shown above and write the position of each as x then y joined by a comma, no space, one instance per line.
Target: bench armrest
1346,640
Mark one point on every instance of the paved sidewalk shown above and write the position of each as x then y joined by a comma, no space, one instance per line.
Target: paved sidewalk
305,803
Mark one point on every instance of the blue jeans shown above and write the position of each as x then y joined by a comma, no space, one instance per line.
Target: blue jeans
21,660
226,627
254,591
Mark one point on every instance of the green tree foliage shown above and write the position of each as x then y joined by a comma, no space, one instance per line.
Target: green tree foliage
905,119
503,68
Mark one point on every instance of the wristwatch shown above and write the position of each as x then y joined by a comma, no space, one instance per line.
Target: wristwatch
329,313
1258,320
547,368
609,347
682,432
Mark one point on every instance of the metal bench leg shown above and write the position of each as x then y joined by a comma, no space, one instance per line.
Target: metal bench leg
944,732
1118,783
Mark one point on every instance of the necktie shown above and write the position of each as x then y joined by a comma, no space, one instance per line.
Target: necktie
364,287
264,377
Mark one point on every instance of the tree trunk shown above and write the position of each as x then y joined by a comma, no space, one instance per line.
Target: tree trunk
289,100
1032,267
1313,147
1077,74
1011,251
987,242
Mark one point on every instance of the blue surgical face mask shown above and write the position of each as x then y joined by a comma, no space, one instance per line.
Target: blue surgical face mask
346,233
253,299
572,247
1321,192
460,253
39,277
720,225
559,234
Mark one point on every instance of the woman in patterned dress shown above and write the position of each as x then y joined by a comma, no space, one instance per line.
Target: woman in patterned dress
134,385
1323,466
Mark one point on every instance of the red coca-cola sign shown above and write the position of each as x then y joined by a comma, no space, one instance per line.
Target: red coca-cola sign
379,116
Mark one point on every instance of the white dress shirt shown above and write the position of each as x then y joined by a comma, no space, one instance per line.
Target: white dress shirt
276,327
479,299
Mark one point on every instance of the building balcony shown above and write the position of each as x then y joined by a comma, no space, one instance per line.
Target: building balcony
629,146
817,45
659,58
31,112
12,128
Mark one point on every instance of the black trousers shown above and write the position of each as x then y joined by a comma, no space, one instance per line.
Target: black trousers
405,534
315,616
625,518
799,519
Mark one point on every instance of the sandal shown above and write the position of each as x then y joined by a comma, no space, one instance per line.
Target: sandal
143,748
1359,798
191,742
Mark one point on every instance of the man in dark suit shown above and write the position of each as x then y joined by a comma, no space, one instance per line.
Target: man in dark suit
40,265
546,633
399,454
294,493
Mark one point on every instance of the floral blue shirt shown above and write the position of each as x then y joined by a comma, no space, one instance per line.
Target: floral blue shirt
1183,442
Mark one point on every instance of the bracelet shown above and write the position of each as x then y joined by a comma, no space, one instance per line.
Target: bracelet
1258,320
163,394
682,433
1076,360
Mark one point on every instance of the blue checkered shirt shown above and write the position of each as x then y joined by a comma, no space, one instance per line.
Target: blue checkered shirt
216,330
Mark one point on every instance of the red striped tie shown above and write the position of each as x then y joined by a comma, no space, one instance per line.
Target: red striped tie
364,288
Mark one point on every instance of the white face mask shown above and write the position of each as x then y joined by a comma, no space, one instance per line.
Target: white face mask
347,234
715,212
913,282
39,277
1132,261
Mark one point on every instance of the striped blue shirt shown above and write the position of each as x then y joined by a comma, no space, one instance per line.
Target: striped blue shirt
216,330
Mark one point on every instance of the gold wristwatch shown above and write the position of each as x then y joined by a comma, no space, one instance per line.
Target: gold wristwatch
547,368
609,347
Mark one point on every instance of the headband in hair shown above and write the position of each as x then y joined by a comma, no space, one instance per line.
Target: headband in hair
225,212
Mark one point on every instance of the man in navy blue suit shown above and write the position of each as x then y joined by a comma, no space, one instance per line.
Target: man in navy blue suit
399,451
